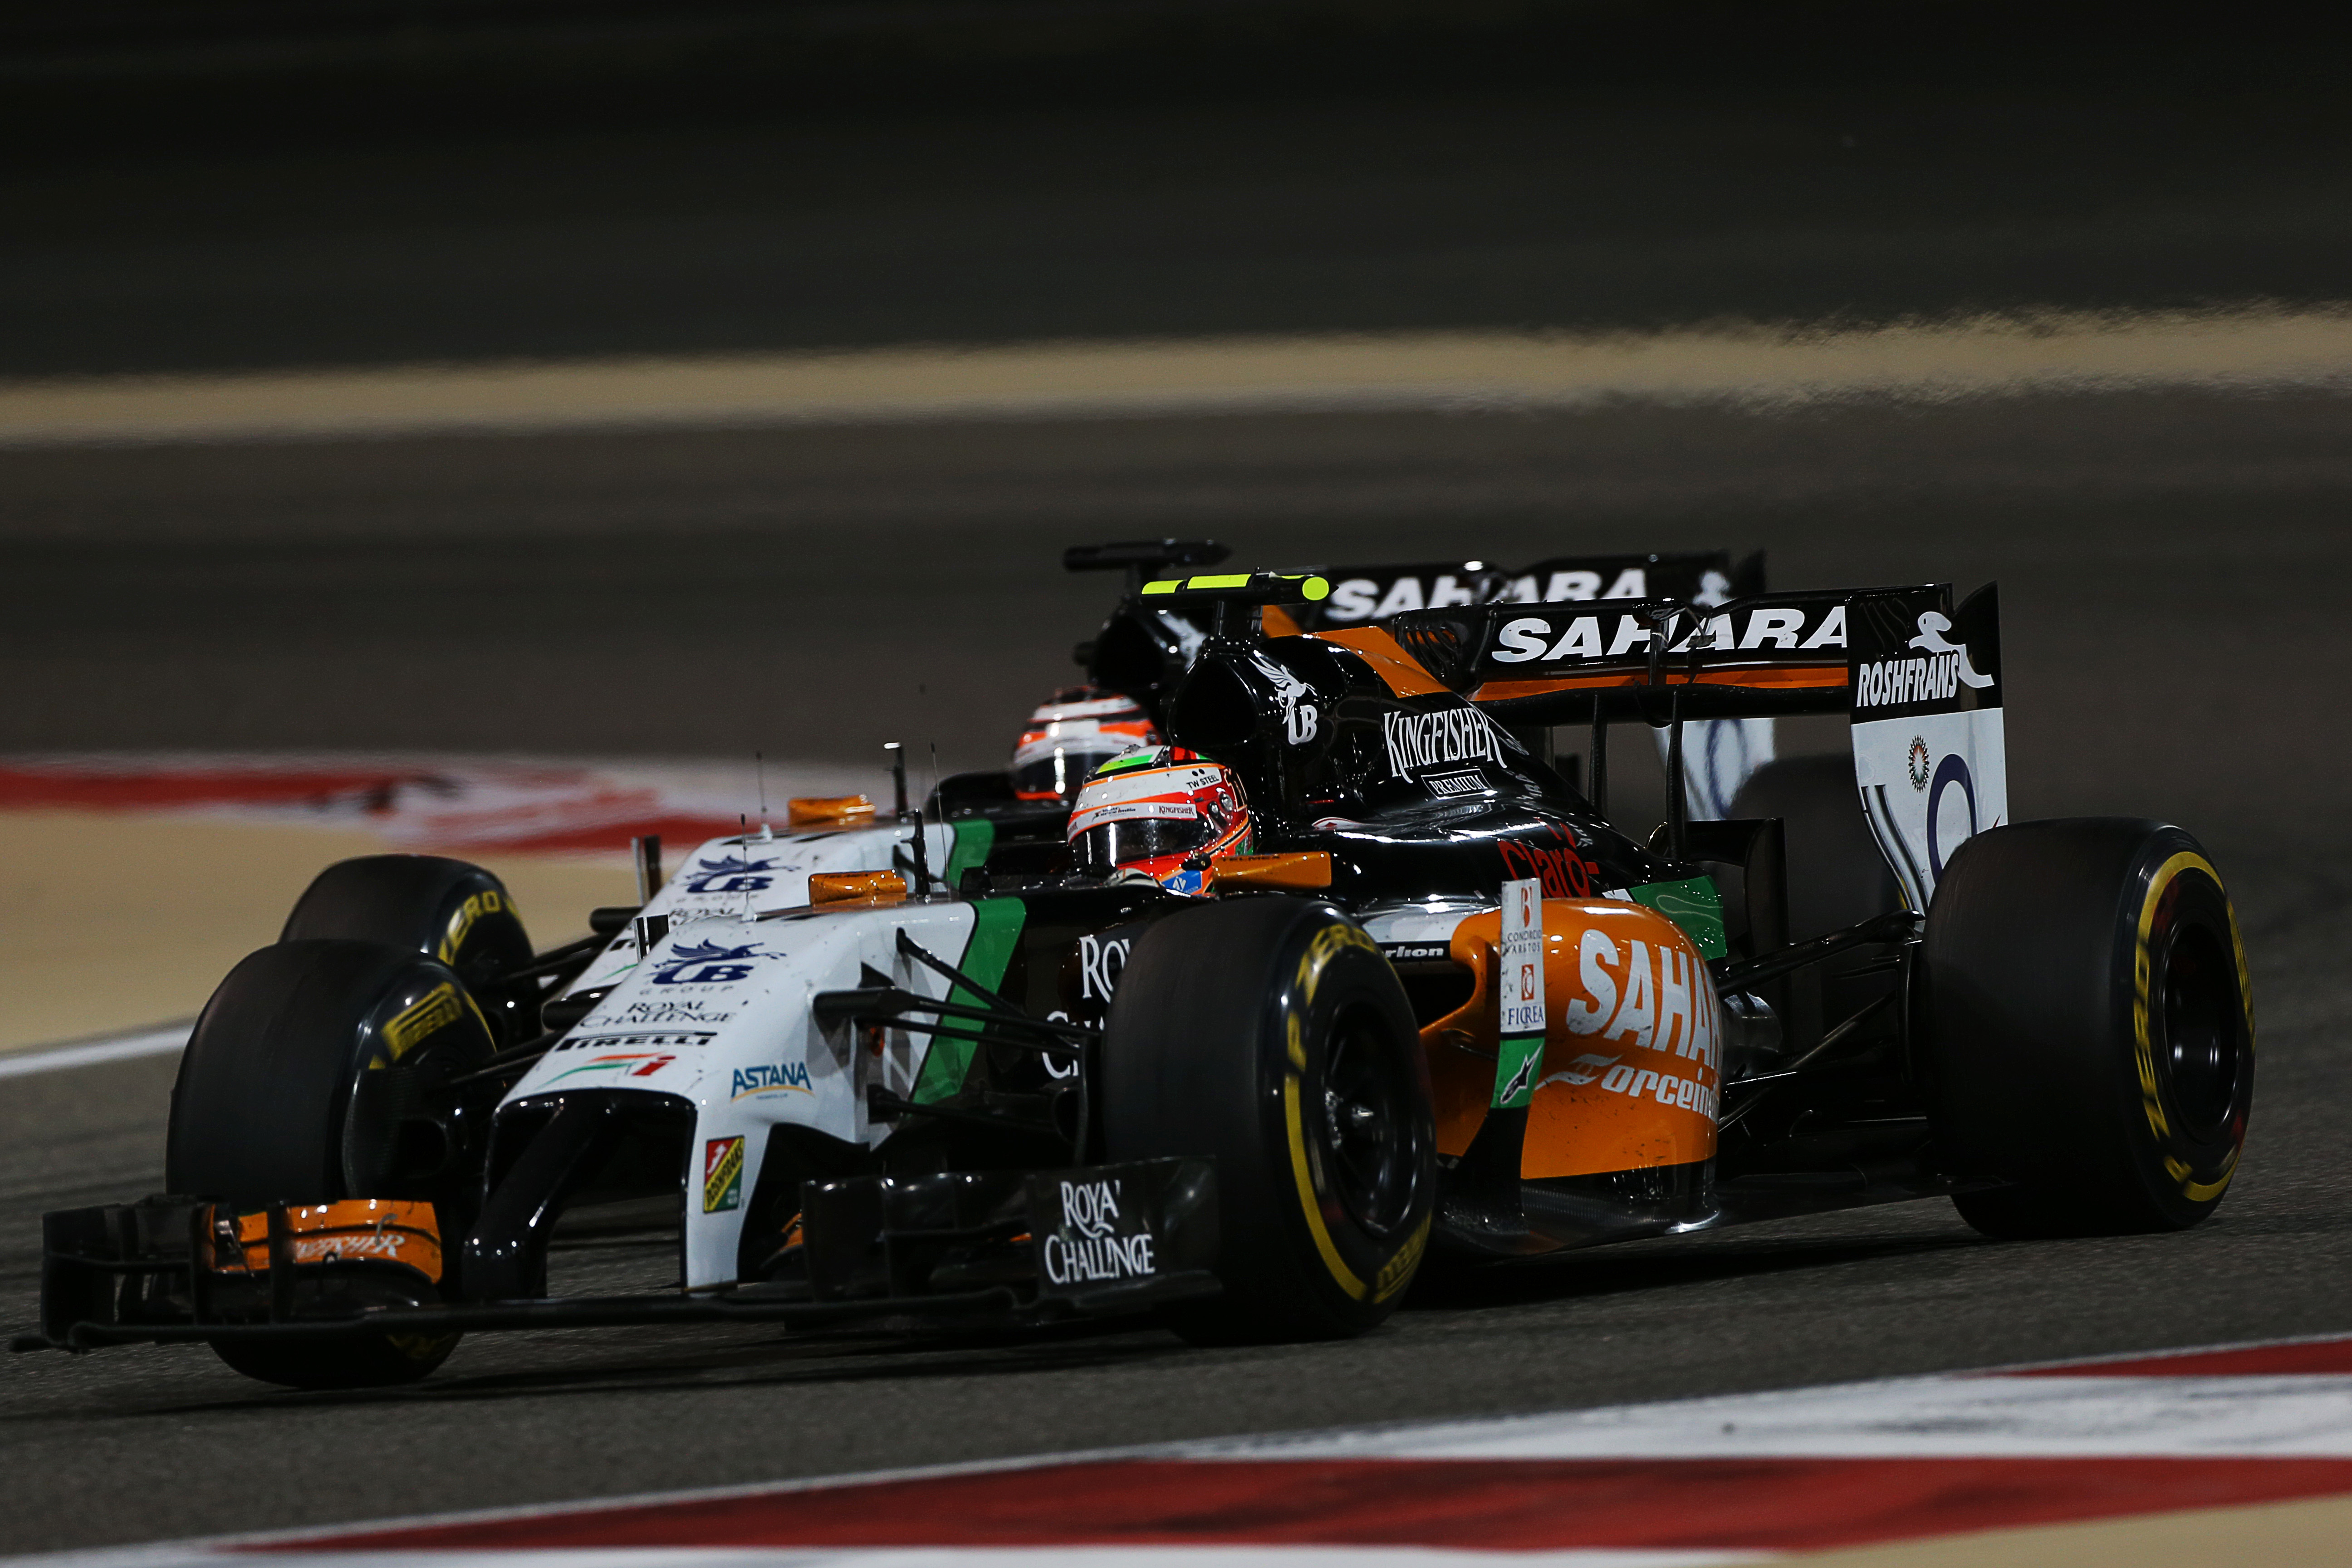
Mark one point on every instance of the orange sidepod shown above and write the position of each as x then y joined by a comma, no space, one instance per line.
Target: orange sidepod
356,1230
1633,1055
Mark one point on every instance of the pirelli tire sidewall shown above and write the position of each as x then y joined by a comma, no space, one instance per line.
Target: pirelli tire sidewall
1362,1264
303,1083
303,1067
1221,1041
2090,1027
455,912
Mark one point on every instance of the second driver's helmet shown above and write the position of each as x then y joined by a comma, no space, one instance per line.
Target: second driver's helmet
1159,816
1071,734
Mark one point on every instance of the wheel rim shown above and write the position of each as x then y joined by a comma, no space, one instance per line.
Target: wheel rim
1369,1155
2198,1002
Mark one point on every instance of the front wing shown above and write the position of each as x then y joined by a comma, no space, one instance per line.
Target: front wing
950,1249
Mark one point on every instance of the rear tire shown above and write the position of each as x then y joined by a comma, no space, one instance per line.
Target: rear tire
458,913
2089,1030
283,1097
1269,1033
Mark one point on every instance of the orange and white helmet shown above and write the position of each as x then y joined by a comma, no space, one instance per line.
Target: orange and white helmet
1072,733
1159,815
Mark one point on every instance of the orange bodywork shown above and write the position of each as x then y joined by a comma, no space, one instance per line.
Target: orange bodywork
1403,673
356,1230
1306,868
1632,1055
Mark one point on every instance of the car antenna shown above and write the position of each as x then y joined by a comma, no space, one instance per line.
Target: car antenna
938,802
899,786
760,772
897,755
749,914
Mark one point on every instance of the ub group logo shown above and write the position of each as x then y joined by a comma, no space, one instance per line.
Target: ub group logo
731,874
1301,720
707,963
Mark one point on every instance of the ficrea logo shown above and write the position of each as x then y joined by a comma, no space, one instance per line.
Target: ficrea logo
730,874
1917,763
706,964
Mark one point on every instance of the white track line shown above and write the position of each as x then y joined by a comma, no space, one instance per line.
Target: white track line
167,1040
2304,1416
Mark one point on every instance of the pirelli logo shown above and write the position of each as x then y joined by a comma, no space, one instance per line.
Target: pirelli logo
422,1020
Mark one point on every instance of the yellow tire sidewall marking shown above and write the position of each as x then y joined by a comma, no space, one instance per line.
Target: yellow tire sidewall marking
2143,1050
1327,945
1291,1114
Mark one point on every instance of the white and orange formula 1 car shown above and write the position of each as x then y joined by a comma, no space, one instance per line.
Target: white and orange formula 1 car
1433,1000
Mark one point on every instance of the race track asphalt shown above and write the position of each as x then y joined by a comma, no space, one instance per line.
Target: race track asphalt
2171,564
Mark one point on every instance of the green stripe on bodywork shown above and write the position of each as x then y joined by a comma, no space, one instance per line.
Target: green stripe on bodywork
1694,906
973,840
995,929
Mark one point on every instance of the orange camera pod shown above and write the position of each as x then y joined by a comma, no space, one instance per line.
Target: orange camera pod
857,887
828,811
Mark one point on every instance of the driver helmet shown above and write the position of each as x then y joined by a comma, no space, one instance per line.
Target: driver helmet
1159,816
1071,734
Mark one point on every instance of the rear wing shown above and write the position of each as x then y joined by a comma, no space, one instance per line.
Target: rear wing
1361,595
1918,678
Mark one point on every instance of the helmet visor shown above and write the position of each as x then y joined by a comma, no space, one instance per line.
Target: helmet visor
1063,770
1108,845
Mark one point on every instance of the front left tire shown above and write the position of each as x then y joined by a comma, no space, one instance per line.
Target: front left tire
1269,1032
303,1083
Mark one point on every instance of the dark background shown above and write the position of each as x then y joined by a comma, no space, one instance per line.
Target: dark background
277,184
